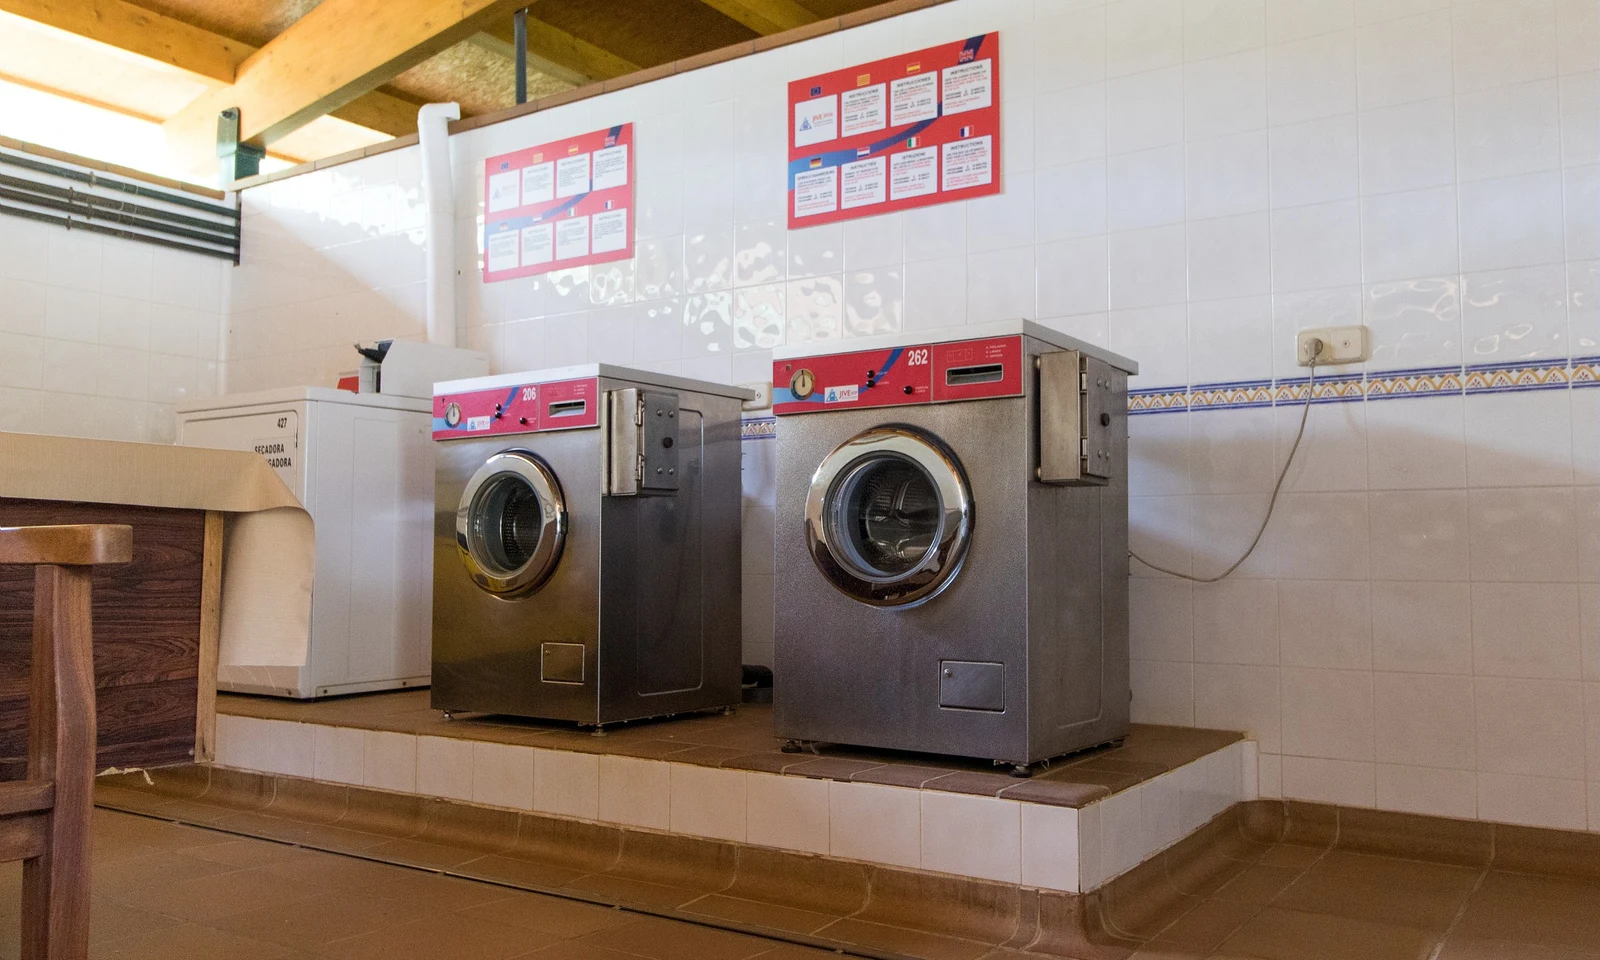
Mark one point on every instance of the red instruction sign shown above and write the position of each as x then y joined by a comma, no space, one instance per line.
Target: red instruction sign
907,131
562,204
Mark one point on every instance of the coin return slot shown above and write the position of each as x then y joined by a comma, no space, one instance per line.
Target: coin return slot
983,373
568,408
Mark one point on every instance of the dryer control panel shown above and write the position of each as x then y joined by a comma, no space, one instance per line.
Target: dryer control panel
926,373
528,408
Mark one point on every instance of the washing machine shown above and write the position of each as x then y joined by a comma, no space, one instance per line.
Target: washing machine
952,544
586,545
362,464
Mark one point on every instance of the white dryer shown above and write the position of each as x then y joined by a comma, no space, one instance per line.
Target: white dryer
362,464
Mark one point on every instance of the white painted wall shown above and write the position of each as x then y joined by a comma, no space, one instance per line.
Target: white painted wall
100,336
1188,181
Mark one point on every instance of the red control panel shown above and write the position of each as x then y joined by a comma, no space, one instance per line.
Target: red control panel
925,373
526,408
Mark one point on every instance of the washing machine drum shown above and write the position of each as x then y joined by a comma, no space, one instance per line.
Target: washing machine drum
511,524
889,516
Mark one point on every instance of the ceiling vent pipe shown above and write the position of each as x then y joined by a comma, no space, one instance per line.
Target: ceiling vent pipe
433,137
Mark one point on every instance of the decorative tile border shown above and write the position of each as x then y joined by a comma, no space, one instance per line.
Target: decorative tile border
758,428
1380,385
1290,391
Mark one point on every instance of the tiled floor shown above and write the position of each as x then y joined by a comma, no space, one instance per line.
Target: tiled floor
1307,903
744,741
170,892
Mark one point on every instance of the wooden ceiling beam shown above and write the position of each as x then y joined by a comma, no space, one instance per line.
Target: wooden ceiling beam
323,61
559,54
191,49
765,17
137,30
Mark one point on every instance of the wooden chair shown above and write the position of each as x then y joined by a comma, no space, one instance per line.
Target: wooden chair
45,819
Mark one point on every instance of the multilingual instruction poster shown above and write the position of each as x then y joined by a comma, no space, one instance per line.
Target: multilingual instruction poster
558,205
908,131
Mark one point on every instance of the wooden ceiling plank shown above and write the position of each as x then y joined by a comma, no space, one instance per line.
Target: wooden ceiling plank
329,57
383,112
136,30
558,53
765,17
191,49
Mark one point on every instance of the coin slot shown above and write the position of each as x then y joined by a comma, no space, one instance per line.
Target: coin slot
568,408
982,373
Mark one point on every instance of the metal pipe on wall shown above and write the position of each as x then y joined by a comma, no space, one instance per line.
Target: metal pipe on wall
433,138
520,29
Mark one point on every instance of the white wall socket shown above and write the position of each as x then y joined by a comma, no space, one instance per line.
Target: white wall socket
1339,345
763,396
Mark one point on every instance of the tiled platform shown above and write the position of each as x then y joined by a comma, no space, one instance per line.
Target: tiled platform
1086,819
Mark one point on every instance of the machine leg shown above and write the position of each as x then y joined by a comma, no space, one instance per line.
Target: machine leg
1022,770
448,715
598,731
727,711
792,746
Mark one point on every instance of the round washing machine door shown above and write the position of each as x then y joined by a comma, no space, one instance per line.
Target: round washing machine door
889,516
511,524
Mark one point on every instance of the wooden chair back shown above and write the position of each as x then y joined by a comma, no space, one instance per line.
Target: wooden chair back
45,818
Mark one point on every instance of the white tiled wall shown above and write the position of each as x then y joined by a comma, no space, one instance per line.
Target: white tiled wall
100,336
1058,848
1189,182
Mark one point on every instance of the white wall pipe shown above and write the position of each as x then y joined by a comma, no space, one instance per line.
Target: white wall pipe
433,137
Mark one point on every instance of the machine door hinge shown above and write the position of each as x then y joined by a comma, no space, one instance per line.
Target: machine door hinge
1077,413
642,439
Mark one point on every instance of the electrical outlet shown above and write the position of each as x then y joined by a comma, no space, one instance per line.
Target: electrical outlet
763,396
1339,345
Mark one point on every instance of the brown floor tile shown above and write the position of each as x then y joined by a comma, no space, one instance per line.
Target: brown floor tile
1384,889
109,920
1257,884
1528,909
1291,855
249,852
420,853
1469,948
1204,928
440,937
307,924
188,941
758,914
426,890
125,878
929,946
516,871
664,940
208,899
551,916
576,950
1275,934
631,891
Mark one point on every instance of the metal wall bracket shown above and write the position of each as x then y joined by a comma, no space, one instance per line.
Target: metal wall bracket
238,160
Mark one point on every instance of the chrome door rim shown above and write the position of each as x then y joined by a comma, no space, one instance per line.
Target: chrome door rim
531,574
939,563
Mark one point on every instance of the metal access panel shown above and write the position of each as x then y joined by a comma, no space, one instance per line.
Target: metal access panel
643,441
967,685
1077,396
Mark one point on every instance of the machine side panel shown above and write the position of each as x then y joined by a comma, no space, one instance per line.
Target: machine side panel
1078,600
670,564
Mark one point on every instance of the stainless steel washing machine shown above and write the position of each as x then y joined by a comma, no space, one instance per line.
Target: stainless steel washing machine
952,545
586,545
